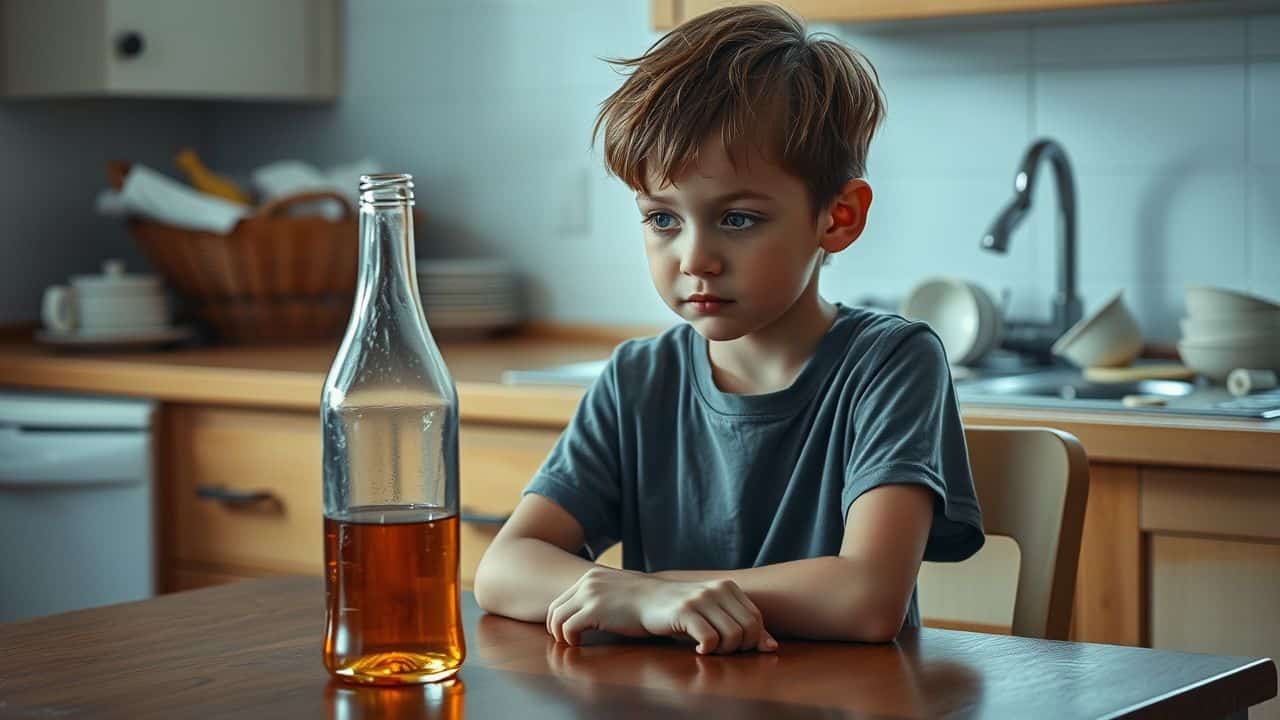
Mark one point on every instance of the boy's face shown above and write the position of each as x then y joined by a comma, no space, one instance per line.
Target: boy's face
730,249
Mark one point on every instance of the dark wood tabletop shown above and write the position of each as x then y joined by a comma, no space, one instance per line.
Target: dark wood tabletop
252,649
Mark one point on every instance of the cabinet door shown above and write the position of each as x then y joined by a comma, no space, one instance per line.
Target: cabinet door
495,463
228,48
244,488
52,47
1217,596
242,49
1214,563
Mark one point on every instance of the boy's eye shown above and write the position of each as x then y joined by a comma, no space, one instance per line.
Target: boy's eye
661,220
739,221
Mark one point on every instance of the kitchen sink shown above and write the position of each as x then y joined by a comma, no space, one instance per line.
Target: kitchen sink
1070,385
1010,384
1066,388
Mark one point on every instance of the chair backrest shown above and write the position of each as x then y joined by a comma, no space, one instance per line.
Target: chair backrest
1032,485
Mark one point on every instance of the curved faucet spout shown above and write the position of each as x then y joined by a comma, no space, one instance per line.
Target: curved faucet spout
1067,308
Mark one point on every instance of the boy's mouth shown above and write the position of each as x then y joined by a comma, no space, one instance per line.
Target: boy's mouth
707,304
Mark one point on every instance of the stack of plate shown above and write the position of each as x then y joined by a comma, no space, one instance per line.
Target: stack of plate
1225,329
469,297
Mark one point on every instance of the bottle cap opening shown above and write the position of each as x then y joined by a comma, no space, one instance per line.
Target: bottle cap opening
386,189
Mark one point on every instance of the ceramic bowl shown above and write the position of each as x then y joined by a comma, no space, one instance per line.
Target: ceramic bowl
1107,337
1254,323
1216,359
962,314
1211,301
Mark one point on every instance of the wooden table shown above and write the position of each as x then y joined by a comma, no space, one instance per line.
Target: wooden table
252,649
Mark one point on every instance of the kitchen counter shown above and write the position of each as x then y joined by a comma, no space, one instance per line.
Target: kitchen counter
291,378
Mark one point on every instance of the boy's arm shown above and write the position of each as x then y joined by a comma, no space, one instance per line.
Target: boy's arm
530,561
861,594
528,573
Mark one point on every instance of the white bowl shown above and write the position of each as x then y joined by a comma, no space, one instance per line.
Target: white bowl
1217,359
962,314
1255,323
1108,337
1209,301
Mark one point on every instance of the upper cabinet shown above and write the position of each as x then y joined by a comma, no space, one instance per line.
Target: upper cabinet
212,49
669,13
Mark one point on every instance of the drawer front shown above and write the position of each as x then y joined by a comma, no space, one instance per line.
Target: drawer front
495,463
1211,502
221,455
246,488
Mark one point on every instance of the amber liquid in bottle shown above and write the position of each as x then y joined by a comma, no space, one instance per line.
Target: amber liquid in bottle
392,590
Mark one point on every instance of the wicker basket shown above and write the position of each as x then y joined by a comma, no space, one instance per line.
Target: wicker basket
274,278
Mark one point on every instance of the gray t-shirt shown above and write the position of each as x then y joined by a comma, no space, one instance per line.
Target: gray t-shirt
688,477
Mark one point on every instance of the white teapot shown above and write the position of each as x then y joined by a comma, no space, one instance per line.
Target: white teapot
113,302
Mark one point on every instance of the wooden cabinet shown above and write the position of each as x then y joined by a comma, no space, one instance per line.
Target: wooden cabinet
242,491
1217,596
1178,558
1108,579
238,49
1213,563
495,463
669,13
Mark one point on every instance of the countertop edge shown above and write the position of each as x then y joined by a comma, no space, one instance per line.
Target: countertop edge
1108,437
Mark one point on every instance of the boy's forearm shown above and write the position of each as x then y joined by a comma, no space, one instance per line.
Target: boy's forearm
520,577
824,598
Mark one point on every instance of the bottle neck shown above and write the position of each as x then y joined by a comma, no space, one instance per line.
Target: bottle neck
387,277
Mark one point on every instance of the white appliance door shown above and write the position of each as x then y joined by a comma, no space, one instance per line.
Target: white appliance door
75,520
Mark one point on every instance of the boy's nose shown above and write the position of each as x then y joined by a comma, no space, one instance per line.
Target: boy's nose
698,259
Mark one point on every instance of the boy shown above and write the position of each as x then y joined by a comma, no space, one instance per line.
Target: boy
778,465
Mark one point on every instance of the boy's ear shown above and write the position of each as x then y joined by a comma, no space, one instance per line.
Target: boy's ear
846,217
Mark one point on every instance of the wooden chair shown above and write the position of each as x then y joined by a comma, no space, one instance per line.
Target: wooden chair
1032,484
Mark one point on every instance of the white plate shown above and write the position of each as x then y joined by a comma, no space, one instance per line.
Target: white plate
470,295
464,266
457,285
478,319
474,310
483,302
116,337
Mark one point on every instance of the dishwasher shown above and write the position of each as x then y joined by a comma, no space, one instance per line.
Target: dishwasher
77,526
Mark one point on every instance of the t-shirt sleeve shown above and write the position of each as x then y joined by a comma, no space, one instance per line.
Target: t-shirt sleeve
907,430
582,472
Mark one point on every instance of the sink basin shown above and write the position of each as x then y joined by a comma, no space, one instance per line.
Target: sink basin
1066,388
1069,385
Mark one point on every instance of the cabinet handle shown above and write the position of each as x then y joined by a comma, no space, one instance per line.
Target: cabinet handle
129,44
476,518
238,498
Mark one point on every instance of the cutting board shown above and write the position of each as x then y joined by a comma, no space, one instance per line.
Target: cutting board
1148,371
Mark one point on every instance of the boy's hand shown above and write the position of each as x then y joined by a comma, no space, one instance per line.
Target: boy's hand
717,614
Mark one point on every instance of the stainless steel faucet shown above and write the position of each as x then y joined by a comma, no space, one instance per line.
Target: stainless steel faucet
1035,338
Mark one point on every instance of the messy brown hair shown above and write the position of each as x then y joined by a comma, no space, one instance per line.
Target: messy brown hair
808,102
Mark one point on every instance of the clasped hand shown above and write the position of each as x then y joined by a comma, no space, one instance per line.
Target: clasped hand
716,614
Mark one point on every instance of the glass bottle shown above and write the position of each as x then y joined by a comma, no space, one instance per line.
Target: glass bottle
389,412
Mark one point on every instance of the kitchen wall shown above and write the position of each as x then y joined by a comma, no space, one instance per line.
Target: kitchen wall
1171,124
53,155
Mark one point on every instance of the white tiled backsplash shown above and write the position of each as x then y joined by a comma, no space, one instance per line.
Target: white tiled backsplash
1172,125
